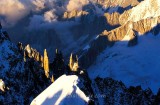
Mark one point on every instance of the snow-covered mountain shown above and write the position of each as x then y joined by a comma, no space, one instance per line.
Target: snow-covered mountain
108,92
64,91
138,65
129,52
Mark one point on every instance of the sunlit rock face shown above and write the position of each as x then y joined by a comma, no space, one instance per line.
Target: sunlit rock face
113,18
122,3
146,9
146,25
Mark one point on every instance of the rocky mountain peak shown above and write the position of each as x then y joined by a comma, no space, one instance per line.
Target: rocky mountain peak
145,9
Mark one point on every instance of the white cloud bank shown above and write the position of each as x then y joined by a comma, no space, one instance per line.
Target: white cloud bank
76,4
11,11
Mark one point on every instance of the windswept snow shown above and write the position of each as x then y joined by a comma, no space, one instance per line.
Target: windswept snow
64,91
138,65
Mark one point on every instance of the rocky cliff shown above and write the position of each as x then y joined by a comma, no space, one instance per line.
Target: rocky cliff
111,92
22,79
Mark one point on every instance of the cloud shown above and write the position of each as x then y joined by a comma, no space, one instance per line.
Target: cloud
44,21
50,16
36,22
12,10
39,4
76,4
49,21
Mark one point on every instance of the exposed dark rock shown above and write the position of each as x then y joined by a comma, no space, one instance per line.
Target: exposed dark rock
134,40
157,99
115,92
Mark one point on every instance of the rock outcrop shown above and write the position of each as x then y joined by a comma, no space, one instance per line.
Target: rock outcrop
46,63
73,63
2,85
146,25
30,52
110,92
112,19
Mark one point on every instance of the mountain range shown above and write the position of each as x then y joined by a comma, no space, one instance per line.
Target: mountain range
106,52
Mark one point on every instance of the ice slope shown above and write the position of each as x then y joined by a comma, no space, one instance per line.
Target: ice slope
138,65
64,91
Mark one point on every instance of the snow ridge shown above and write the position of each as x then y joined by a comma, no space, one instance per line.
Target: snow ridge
64,91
